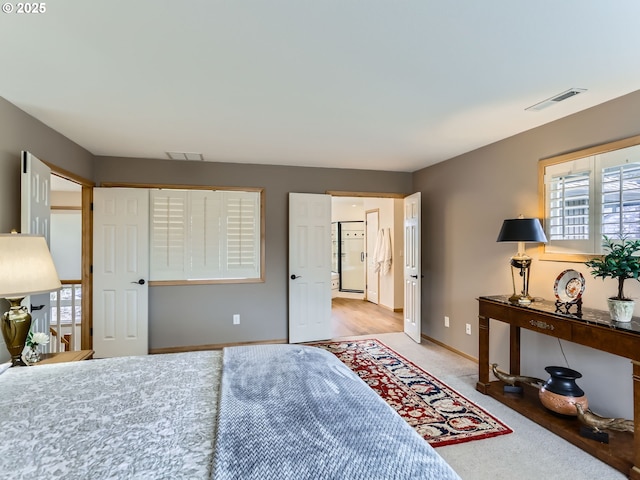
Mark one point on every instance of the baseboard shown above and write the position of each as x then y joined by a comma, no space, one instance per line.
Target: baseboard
354,295
386,307
451,349
215,346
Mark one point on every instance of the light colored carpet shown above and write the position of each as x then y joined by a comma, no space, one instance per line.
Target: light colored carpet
529,453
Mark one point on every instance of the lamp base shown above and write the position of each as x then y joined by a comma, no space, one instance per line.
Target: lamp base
520,266
521,299
16,324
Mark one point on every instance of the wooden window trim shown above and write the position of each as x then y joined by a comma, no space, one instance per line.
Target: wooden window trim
567,157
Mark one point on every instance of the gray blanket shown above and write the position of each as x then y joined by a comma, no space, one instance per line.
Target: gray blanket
296,412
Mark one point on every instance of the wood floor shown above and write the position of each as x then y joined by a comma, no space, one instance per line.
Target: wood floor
351,317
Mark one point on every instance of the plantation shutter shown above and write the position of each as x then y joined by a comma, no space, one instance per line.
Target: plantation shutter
621,200
168,234
205,235
569,192
569,206
242,213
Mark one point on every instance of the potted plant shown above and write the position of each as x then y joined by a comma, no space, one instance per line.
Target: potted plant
620,263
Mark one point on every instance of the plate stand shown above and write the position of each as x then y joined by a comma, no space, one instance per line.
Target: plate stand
565,307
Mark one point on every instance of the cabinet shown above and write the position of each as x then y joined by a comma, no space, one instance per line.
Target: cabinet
592,328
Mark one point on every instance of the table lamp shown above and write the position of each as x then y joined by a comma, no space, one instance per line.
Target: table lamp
521,230
26,268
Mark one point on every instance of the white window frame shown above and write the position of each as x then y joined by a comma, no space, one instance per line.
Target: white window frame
593,161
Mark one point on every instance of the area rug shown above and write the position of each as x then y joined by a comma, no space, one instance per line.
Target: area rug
438,413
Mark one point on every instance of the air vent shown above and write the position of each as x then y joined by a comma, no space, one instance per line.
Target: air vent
185,156
555,99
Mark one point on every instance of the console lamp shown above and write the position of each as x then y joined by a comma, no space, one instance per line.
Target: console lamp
26,268
521,230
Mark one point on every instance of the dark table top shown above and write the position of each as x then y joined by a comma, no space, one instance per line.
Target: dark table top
571,311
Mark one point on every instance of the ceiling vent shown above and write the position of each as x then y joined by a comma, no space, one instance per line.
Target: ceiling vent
556,99
185,156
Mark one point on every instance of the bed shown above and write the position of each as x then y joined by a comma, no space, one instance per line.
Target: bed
255,412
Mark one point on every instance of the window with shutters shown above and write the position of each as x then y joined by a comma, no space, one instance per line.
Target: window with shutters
586,197
204,235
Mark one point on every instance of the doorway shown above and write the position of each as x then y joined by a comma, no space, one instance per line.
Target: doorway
377,306
85,302
66,250
348,250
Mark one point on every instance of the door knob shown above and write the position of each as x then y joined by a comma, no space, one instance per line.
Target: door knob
139,282
293,277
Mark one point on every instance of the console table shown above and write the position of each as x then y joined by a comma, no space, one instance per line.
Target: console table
592,328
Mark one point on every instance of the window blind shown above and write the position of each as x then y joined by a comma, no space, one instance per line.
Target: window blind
201,235
569,206
168,234
621,200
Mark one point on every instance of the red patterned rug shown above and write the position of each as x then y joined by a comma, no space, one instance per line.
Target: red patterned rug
438,413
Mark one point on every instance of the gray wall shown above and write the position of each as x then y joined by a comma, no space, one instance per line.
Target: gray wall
465,200
19,131
202,315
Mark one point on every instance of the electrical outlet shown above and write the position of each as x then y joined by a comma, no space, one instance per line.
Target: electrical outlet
236,319
468,329
446,321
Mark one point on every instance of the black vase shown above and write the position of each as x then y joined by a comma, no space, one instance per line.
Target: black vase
560,392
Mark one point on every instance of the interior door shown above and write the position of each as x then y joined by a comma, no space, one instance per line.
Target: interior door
309,267
412,267
120,271
35,199
373,277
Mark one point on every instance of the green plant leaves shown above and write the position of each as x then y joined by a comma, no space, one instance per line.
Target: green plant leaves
620,263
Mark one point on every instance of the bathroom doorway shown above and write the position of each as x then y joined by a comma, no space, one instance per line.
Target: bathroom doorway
348,249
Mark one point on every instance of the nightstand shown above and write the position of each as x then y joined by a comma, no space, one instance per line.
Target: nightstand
62,357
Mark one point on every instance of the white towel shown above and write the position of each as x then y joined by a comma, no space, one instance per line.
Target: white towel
377,250
382,253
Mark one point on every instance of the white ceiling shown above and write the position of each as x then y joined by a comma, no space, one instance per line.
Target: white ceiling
389,85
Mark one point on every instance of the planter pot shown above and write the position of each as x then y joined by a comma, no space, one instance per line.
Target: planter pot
621,310
560,393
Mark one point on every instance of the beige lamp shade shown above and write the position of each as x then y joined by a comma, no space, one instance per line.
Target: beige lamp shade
26,266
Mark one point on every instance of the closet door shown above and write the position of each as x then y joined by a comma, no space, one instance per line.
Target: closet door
120,271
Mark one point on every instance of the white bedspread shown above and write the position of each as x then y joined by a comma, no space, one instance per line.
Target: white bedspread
145,417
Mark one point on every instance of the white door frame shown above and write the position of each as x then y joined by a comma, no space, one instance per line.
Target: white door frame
372,277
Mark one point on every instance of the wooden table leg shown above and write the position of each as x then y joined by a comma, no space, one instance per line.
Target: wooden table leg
634,474
483,354
514,350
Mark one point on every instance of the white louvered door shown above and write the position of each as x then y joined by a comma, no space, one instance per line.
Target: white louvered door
120,271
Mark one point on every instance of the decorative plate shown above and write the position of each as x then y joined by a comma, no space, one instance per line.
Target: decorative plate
569,286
